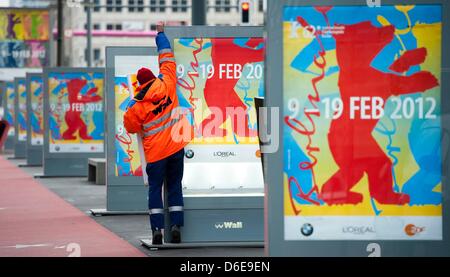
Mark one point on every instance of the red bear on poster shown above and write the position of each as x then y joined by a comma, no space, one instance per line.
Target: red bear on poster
354,149
219,91
73,117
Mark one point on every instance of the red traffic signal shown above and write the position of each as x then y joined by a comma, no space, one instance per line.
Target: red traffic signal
245,12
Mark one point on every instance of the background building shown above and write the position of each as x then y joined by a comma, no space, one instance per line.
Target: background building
129,22
133,23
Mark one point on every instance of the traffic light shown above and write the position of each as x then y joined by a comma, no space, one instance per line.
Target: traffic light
245,10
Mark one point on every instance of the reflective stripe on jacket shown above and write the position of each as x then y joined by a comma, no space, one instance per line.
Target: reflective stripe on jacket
154,113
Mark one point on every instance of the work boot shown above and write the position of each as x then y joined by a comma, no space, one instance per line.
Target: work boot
157,237
175,234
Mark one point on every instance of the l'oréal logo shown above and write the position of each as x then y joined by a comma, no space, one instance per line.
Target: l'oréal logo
229,225
358,230
223,154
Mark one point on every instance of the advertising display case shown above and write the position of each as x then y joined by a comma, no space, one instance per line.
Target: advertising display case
126,192
2,92
223,181
35,122
20,118
361,168
8,112
73,120
220,72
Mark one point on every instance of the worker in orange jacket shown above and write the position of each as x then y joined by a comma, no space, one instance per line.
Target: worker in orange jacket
155,115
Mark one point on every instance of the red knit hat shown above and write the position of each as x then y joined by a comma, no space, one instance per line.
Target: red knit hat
145,75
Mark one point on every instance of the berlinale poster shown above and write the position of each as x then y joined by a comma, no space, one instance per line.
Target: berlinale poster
9,109
218,78
24,36
128,161
362,131
22,111
223,74
76,123
37,113
128,157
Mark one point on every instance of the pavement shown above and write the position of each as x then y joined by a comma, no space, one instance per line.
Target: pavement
64,201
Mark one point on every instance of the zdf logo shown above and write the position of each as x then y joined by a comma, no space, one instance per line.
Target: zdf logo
412,230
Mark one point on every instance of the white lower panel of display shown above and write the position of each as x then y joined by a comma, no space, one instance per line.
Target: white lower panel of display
363,227
22,137
226,175
37,141
223,153
76,148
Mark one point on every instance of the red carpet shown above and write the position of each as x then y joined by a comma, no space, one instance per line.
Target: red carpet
36,222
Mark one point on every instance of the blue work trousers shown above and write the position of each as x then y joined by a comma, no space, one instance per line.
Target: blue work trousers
171,170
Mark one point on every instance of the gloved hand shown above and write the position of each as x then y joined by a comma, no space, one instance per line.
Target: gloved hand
160,27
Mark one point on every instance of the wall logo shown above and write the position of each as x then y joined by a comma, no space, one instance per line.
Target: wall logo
162,107
229,225
189,154
357,230
224,154
412,230
307,230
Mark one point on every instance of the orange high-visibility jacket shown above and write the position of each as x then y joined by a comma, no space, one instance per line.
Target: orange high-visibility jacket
154,113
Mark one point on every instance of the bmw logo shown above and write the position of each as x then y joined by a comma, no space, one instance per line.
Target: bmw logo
189,154
307,229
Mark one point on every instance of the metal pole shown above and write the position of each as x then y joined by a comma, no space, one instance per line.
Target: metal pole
199,12
60,39
89,35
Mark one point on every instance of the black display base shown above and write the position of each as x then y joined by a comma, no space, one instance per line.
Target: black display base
28,165
148,244
42,176
104,212
15,158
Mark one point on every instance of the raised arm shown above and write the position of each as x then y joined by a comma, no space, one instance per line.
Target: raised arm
167,63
